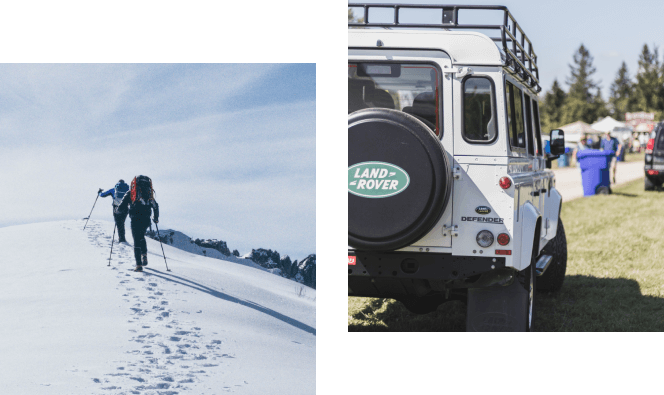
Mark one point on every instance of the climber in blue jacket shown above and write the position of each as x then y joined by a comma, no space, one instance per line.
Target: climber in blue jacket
118,192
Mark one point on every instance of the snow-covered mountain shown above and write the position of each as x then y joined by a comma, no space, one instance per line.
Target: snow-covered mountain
303,272
72,324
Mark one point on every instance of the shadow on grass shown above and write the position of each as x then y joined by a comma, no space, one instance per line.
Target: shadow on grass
624,194
591,304
584,304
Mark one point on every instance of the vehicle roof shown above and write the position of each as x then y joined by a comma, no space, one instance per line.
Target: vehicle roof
463,47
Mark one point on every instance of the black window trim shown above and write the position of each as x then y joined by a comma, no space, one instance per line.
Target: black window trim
493,109
530,128
538,128
424,62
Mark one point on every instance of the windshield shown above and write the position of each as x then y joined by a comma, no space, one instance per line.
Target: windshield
411,88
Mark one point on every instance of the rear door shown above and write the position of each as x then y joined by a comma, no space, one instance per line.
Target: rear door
437,62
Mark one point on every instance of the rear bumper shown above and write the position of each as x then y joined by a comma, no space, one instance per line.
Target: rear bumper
657,178
399,274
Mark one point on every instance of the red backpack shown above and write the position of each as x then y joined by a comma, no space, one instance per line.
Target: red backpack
141,189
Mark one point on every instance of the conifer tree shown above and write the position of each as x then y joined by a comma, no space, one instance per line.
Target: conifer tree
648,87
552,106
583,102
622,91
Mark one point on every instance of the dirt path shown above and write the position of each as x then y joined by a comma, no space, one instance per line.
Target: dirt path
568,180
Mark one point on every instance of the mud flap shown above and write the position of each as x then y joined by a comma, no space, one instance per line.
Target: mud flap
497,309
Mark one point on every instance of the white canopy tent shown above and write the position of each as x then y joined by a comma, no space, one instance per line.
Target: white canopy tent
609,124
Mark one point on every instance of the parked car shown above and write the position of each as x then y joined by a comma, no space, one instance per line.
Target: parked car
450,192
654,160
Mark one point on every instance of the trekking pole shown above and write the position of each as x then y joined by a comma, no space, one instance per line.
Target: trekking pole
112,240
93,207
162,247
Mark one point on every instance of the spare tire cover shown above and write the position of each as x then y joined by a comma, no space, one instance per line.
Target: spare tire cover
399,179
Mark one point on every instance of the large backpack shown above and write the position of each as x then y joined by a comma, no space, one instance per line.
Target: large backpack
141,189
120,190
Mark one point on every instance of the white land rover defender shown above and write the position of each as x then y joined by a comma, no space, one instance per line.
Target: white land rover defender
449,192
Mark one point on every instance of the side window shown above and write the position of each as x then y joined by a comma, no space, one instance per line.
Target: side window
509,109
538,132
519,129
529,126
479,124
515,116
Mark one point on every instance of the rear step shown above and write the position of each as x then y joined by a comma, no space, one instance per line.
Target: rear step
542,264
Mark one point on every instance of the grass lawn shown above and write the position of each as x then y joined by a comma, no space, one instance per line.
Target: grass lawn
615,274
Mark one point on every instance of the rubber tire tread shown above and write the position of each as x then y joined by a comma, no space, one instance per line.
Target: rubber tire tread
649,185
553,278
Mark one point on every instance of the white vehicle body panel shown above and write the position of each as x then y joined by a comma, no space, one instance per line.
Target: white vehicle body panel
479,166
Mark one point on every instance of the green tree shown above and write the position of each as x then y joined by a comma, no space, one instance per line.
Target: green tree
622,92
583,101
351,17
648,87
552,106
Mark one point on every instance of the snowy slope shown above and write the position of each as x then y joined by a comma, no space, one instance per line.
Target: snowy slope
73,325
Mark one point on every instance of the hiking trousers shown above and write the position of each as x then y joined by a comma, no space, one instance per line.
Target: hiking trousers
138,229
120,223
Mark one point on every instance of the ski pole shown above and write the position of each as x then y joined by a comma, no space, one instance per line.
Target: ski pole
162,247
112,240
93,207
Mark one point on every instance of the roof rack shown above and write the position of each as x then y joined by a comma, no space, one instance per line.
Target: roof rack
522,61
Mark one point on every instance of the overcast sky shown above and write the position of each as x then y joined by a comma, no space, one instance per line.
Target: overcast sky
613,31
230,147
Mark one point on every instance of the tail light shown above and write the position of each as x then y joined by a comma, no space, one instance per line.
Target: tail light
503,239
503,252
650,146
505,182
653,172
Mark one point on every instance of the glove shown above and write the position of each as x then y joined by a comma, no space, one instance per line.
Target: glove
100,191
156,221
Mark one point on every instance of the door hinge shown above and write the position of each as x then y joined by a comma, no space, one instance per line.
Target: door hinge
456,173
459,72
453,230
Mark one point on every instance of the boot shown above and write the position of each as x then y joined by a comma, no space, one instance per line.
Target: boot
137,255
122,240
145,259
139,268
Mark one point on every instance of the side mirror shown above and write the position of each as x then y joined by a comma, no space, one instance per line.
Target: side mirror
557,142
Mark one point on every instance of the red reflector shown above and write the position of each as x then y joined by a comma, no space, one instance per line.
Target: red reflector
651,144
351,260
653,172
503,252
503,239
505,182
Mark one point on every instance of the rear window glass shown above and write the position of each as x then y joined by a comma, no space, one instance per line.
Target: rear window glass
479,123
660,140
411,88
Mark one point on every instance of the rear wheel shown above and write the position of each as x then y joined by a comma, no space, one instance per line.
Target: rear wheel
649,185
553,278
503,308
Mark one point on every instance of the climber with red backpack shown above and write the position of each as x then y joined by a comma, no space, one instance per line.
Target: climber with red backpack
140,201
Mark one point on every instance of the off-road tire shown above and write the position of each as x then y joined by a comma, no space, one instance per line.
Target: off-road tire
649,185
527,280
404,141
553,278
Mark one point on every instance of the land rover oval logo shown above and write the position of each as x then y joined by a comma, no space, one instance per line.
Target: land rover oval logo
482,210
376,179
